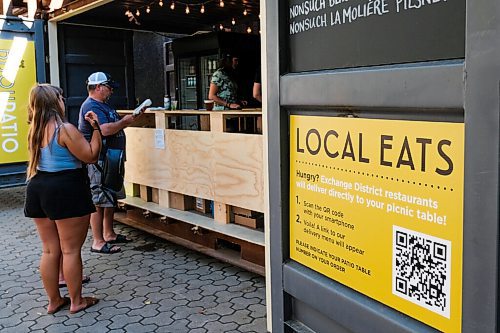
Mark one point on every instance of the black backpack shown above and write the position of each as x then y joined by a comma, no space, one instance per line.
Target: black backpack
112,170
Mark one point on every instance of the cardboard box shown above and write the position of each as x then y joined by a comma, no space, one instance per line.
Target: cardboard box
202,205
243,211
252,222
180,201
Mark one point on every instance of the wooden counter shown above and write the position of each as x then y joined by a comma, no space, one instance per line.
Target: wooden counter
209,163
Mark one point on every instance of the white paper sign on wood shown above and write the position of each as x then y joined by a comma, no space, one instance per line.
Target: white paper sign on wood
159,138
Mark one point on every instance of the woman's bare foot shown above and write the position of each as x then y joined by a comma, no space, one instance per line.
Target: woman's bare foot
86,303
56,306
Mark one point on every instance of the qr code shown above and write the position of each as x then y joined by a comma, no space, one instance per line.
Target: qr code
421,269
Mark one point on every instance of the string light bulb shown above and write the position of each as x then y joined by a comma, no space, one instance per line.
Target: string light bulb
202,10
137,13
249,30
172,6
221,27
187,9
221,3
245,12
160,3
233,21
148,10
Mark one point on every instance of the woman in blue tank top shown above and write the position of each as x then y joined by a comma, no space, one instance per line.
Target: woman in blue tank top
58,195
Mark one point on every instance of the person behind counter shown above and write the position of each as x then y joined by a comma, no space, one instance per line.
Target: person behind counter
257,86
58,195
223,87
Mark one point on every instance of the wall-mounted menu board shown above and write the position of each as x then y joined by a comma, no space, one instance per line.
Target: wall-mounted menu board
331,34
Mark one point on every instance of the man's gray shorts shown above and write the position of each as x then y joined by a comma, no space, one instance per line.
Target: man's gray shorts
98,196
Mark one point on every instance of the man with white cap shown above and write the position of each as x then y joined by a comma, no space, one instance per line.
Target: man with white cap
100,87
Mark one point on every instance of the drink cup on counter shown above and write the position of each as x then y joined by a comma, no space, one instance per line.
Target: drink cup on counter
209,104
174,104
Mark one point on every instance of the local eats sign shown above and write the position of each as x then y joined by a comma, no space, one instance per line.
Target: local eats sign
377,205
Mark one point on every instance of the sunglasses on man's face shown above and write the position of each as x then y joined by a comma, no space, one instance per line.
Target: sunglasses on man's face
107,86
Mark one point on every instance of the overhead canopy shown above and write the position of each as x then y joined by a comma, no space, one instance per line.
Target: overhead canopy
158,15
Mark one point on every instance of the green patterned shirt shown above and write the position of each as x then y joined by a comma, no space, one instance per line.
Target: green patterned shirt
227,87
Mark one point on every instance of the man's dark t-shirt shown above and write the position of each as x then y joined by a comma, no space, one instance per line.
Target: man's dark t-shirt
105,114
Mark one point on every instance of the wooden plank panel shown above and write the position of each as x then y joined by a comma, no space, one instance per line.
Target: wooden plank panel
224,167
230,229
163,199
221,213
217,122
160,120
155,195
145,192
251,257
239,170
184,166
147,119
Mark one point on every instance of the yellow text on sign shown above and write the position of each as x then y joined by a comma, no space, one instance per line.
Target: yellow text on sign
17,76
378,206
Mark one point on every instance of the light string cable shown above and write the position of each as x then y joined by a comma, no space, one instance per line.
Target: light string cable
137,11
134,13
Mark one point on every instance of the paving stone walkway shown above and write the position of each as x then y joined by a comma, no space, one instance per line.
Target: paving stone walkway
151,286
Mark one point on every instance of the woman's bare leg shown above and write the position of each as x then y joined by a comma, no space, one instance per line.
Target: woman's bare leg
61,273
72,234
49,263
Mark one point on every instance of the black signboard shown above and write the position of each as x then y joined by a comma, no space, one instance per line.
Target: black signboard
331,34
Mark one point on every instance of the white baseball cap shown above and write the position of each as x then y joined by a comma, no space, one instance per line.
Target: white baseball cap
101,78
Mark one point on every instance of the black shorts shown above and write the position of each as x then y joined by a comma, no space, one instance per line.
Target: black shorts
58,195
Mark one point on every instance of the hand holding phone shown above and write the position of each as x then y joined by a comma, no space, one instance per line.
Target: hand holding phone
140,108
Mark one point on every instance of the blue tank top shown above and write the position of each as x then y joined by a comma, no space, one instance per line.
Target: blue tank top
55,157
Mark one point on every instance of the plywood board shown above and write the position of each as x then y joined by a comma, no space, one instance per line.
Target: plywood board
239,170
184,166
224,167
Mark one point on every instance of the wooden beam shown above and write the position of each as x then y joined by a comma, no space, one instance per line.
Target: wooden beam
251,256
75,8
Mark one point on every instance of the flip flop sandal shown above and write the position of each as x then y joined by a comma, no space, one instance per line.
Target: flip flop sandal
66,301
89,301
85,279
119,239
106,249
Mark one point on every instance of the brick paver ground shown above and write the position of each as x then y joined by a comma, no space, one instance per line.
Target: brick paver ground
151,286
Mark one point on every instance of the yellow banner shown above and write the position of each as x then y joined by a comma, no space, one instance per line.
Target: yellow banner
377,205
17,76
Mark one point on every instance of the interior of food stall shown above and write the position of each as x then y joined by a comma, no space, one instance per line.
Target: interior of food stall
194,177
153,47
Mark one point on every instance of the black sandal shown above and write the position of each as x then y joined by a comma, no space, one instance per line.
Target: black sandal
106,249
119,239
